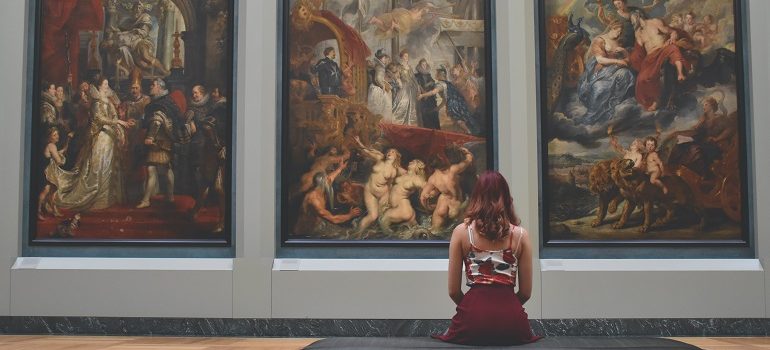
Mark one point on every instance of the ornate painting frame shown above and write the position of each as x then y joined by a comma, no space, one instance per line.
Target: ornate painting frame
561,28
81,44
287,213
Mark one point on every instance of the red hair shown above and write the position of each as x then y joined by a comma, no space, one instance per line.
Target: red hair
491,206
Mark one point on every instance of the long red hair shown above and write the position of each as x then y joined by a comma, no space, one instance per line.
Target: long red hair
491,206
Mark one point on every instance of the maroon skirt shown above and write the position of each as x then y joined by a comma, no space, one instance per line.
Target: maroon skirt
489,315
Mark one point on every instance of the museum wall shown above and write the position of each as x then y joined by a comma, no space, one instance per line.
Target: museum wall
256,285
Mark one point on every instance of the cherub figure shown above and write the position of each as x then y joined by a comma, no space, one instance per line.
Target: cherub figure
653,163
56,159
402,21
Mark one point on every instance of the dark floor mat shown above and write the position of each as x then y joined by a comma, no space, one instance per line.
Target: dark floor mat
561,343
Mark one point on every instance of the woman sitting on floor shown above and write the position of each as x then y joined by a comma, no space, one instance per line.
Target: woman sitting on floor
495,250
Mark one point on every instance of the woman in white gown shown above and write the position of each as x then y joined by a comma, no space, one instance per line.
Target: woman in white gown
405,96
380,100
96,182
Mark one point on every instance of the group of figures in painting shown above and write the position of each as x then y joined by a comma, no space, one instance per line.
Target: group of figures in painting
387,116
643,109
380,147
131,146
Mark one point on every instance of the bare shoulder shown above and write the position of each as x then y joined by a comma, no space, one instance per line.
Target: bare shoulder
656,21
524,236
523,245
459,234
313,199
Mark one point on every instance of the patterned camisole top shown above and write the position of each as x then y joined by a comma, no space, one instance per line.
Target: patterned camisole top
493,266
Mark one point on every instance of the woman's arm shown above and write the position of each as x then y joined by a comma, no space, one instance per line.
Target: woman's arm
100,114
103,117
373,153
616,145
456,264
464,164
369,152
426,193
525,269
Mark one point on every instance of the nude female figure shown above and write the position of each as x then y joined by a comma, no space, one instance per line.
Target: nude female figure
400,209
446,183
376,190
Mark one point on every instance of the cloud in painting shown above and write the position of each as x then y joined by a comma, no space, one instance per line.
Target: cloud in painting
721,10
423,42
630,121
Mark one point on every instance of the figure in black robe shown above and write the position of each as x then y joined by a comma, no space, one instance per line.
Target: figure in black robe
329,74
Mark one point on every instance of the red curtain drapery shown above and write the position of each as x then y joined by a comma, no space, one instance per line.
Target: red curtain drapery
62,21
424,142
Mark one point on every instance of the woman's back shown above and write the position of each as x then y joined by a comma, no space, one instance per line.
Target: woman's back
492,261
495,252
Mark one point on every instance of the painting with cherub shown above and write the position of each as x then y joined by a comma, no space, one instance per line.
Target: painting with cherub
642,121
131,122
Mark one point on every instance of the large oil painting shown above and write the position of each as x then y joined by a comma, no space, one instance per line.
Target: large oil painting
643,121
387,118
131,122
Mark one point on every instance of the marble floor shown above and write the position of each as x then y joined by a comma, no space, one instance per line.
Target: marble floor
14,342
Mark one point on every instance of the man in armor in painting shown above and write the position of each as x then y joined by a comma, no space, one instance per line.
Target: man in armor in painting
160,116
329,74
207,151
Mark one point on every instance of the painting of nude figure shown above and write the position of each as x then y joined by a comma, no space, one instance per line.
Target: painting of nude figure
386,120
131,123
642,115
